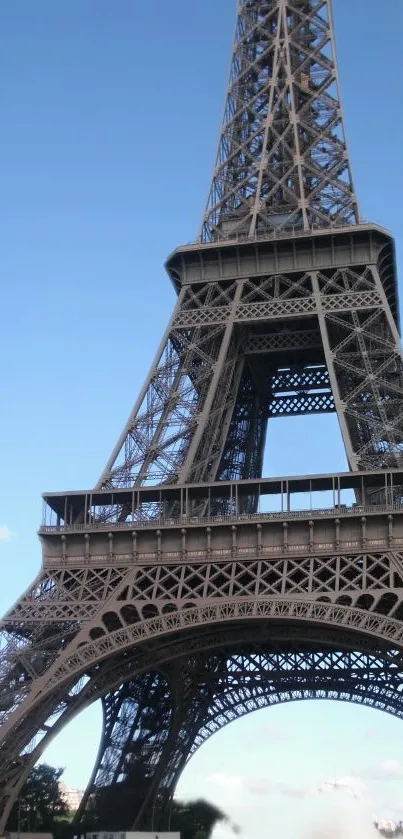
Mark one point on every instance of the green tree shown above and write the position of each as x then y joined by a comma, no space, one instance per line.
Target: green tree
114,807
40,801
195,819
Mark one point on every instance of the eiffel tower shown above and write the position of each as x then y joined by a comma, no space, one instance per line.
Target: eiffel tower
185,589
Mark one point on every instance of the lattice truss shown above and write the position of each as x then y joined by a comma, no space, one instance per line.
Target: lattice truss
282,160
73,616
82,631
238,353
218,688
367,365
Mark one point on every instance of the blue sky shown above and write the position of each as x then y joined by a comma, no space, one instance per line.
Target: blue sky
110,119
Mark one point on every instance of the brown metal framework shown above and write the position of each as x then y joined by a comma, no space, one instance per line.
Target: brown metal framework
281,158
185,590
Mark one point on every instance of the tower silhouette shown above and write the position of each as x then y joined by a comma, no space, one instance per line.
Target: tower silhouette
172,590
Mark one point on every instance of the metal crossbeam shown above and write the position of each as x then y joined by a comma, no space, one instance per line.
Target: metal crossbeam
300,404
286,341
299,391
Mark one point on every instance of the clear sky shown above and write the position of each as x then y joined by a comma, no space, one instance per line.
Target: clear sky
110,114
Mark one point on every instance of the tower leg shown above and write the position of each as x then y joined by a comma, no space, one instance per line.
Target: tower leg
137,722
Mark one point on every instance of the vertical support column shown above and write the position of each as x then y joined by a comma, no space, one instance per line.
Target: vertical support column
352,457
259,538
388,314
183,543
390,530
363,532
337,533
285,536
134,545
208,541
202,419
311,536
234,542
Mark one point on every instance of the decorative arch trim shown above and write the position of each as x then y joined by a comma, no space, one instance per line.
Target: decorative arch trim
232,609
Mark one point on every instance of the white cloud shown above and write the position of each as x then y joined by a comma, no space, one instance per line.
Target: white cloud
256,786
387,770
5,533
220,779
262,786
344,812
351,785
225,830
391,769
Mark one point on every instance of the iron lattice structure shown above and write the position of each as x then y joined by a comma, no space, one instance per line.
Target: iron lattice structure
281,158
168,591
